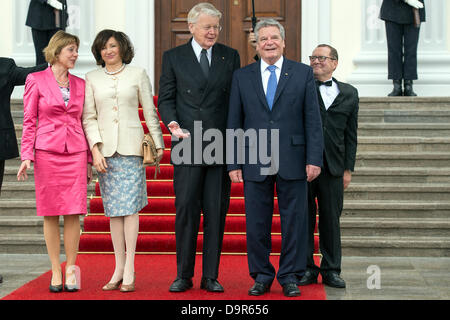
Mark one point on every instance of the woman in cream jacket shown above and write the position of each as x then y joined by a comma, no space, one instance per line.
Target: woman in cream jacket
114,133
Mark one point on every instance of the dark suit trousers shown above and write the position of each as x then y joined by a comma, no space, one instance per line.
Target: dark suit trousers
329,191
402,40
259,205
41,39
200,189
2,171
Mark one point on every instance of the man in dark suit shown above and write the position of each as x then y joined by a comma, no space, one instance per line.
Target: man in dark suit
10,76
339,104
45,17
402,39
277,95
193,97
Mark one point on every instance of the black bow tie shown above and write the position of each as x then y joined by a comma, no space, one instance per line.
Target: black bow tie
328,83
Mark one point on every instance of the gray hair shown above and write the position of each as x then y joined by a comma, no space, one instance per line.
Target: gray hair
264,23
205,8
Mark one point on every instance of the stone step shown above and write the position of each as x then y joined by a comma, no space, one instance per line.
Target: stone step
399,192
404,129
24,225
403,116
404,103
26,190
403,144
25,243
20,207
396,246
417,209
395,227
400,175
432,159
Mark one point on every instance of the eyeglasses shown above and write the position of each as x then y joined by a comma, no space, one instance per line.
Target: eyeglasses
320,58
215,28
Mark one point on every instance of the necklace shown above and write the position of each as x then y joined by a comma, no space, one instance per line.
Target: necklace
114,72
63,84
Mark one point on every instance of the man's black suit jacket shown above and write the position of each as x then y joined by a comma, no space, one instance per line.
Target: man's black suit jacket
340,125
10,76
41,16
399,12
185,95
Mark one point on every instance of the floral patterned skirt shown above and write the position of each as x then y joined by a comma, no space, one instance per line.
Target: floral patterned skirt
123,186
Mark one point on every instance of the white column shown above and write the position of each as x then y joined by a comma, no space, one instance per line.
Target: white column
316,20
370,76
140,27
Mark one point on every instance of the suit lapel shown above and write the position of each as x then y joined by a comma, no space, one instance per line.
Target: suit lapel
190,61
53,85
73,90
256,79
286,73
218,61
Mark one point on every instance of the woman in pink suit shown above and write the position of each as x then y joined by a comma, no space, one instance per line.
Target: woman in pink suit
53,138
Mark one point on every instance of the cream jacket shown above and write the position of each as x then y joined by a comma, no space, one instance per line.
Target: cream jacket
111,116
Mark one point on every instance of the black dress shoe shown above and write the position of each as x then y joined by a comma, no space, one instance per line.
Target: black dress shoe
408,91
56,289
397,91
258,289
310,277
211,285
181,285
332,279
291,290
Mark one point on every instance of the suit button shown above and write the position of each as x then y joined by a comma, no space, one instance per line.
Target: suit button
115,108
271,122
116,121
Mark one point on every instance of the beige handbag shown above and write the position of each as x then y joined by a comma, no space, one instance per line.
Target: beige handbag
150,153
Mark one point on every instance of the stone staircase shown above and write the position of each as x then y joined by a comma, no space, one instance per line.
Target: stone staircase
398,203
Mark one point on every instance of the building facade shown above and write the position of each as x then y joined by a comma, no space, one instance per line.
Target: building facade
351,26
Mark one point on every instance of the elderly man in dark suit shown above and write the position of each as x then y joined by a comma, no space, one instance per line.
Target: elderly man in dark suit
339,104
45,17
194,90
277,96
10,76
402,39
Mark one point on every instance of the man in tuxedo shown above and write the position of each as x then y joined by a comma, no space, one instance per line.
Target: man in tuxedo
277,95
10,76
339,104
193,97
402,38
45,17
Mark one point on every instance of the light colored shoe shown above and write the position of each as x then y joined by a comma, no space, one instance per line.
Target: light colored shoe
128,287
112,286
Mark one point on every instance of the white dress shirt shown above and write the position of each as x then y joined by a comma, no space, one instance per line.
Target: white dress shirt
329,93
198,51
265,74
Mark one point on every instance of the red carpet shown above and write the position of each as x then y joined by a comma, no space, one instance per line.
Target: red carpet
157,269
154,274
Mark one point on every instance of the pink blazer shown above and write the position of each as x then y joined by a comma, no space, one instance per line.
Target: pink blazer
59,128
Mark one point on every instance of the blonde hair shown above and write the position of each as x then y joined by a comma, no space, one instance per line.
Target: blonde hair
59,40
205,8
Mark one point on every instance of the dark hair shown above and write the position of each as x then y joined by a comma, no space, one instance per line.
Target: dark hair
125,46
333,51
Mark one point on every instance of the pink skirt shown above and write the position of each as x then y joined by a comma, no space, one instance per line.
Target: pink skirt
61,183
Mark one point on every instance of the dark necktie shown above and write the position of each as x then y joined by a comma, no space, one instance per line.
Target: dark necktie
328,83
204,63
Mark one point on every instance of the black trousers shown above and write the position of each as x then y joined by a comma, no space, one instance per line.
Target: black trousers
41,39
259,207
329,191
2,172
402,41
200,189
